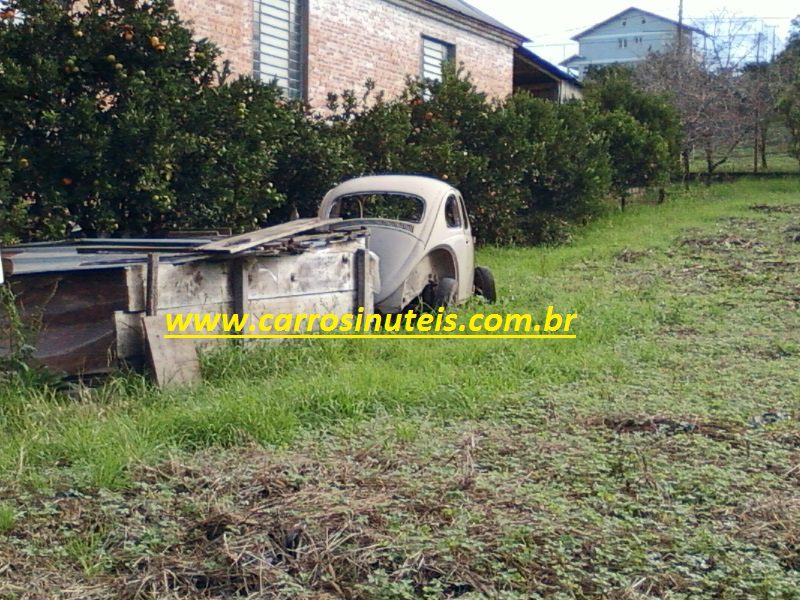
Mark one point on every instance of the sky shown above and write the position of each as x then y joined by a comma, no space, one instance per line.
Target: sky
550,25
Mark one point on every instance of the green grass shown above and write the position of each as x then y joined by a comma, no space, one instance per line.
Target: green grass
741,161
8,517
640,460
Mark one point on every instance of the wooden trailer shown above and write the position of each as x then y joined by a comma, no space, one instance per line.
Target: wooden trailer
93,305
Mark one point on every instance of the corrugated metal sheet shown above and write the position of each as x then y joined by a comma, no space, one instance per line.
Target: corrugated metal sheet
101,254
94,254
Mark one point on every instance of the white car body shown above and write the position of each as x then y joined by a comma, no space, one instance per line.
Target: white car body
417,253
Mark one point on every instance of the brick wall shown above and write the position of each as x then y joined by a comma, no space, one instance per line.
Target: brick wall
352,40
227,23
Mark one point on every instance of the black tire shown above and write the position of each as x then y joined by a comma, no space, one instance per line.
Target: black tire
484,284
446,292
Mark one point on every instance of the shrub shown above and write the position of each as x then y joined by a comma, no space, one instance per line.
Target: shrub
643,130
563,162
640,157
7,218
461,138
229,154
111,111
314,155
448,130
119,122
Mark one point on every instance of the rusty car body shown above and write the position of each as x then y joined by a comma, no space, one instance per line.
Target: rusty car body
419,228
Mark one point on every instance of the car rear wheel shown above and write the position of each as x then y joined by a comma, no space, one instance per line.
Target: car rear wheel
446,292
484,284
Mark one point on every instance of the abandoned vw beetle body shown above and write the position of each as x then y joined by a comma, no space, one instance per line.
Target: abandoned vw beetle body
419,229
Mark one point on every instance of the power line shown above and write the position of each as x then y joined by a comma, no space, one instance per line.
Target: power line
551,33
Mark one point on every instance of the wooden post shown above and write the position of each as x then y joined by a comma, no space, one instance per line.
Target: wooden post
364,291
151,301
240,286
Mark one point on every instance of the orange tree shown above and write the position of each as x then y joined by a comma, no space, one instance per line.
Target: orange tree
110,111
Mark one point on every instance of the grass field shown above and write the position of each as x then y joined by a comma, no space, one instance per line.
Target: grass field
658,455
779,159
742,162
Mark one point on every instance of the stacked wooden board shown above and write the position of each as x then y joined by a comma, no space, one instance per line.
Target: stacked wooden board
85,301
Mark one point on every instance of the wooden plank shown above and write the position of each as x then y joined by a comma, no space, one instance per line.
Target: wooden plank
210,282
195,284
363,272
129,330
135,278
151,304
309,273
152,244
336,303
172,363
246,241
134,248
240,283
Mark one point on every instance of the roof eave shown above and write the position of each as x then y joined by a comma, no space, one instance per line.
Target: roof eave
510,36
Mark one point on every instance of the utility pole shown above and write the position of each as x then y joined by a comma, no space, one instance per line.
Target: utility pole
680,29
774,40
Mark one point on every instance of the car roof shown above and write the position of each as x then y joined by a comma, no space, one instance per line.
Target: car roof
428,188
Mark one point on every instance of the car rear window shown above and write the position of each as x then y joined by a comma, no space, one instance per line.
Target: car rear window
396,207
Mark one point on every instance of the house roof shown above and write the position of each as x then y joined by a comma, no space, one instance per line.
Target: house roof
583,34
467,10
572,59
549,67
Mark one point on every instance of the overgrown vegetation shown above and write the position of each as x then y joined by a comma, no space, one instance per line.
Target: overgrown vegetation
119,123
655,456
788,64
642,131
727,96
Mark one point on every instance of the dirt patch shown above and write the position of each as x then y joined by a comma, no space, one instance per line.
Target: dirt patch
775,208
668,426
630,256
722,241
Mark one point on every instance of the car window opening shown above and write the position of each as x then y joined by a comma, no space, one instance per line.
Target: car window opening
451,213
395,207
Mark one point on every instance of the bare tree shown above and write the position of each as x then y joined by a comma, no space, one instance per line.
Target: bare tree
707,87
761,85
788,69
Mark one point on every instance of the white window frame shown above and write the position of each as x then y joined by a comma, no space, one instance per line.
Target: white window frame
279,44
435,53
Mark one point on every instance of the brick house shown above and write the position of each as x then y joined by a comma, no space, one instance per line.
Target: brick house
313,47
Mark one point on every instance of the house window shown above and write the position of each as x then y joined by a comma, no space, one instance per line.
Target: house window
279,44
434,54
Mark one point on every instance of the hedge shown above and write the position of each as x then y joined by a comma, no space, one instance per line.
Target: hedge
120,123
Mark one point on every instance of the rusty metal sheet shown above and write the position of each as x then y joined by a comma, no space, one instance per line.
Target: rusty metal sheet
246,241
25,261
72,318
